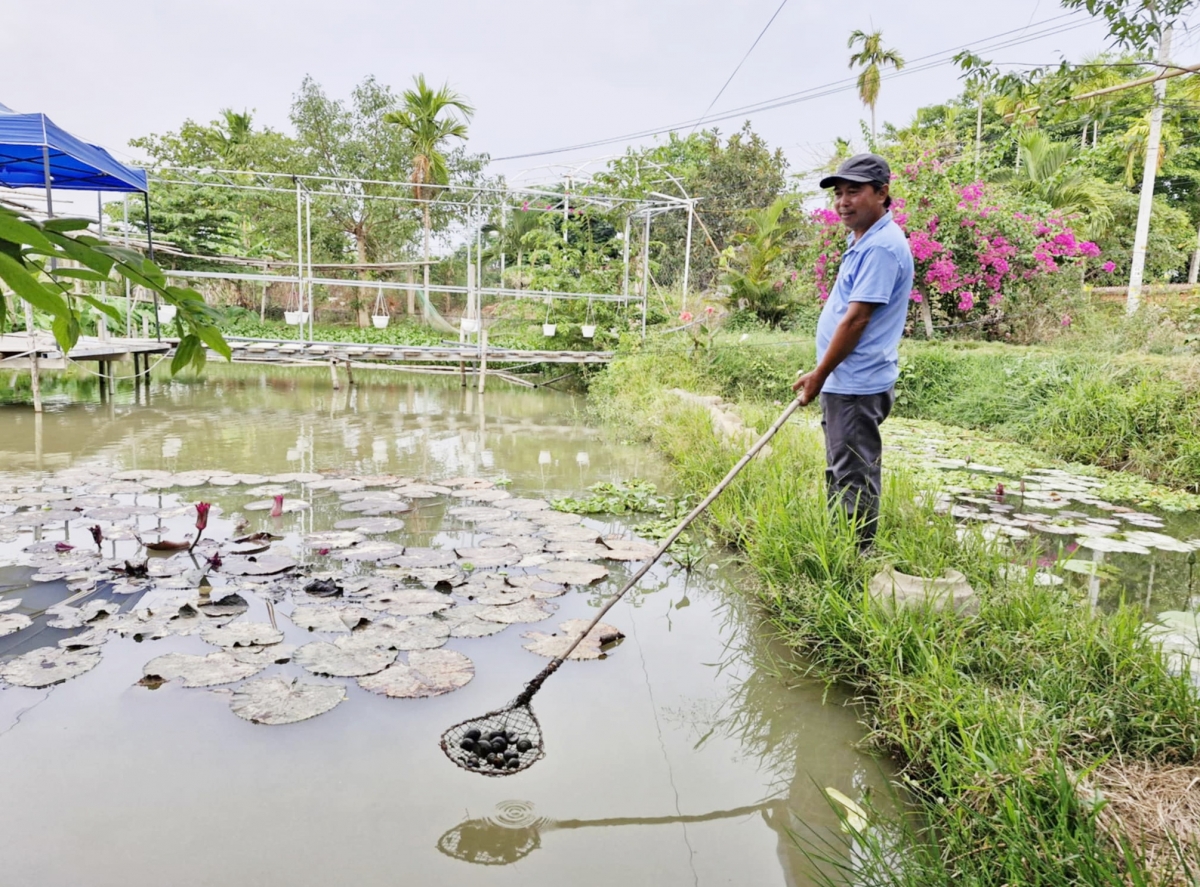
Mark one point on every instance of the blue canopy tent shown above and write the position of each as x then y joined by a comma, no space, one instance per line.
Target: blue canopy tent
37,153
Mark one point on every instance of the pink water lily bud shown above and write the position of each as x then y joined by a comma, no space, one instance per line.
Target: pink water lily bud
202,514
63,546
277,510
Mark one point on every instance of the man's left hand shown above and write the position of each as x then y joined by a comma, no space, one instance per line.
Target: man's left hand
809,386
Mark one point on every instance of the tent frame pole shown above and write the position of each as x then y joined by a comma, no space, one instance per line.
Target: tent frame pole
150,250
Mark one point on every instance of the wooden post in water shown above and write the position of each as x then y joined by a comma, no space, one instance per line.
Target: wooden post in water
482,358
349,372
333,373
462,372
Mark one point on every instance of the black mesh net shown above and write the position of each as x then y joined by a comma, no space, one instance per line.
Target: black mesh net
499,743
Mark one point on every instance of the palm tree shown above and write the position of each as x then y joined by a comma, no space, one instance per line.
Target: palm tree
230,136
427,120
871,58
1047,175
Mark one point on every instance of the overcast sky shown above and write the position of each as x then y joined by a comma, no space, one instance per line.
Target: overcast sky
543,74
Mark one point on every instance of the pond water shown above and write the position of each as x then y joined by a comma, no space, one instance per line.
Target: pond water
679,758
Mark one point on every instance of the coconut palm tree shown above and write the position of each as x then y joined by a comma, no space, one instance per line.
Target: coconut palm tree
427,119
872,57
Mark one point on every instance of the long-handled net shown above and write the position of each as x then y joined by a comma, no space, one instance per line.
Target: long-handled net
508,740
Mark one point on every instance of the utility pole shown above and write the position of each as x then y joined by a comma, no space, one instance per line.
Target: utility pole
1149,172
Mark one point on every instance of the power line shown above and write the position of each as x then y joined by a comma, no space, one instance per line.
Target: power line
721,91
1056,26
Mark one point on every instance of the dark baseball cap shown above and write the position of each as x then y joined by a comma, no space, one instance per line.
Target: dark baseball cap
865,168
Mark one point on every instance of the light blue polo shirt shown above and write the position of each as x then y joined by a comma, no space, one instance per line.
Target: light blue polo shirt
878,268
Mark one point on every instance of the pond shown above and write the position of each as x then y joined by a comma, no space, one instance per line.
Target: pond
679,757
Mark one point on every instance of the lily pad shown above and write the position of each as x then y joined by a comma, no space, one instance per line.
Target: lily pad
242,634
333,539
423,557
340,661
197,671
433,577
577,551
524,611
477,513
554,518
537,587
257,565
1161,541
375,550
572,534
523,544
489,558
289,505
66,616
429,673
524,506
409,602
377,507
232,604
464,622
47,666
335,619
553,646
9,604
13,622
1109,544
371,525
487,495
629,550
276,701
572,572
509,527
413,633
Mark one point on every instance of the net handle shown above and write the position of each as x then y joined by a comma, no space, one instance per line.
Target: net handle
536,684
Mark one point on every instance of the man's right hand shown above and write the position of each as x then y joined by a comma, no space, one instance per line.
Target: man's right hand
809,386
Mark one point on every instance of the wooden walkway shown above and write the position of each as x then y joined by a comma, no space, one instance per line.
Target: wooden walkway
17,352
271,350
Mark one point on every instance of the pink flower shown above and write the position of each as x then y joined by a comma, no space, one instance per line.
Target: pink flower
202,509
525,206
1109,267
966,301
277,510
916,296
777,285
60,547
1089,249
709,309
686,317
1066,320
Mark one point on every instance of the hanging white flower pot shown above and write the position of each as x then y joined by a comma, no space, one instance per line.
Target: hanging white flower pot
548,329
469,324
588,330
166,313
291,317
303,316
380,321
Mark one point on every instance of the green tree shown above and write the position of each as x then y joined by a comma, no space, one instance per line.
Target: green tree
872,57
426,122
508,237
1048,175
758,264
1135,24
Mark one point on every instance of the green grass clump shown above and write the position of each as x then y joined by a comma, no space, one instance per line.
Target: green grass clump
997,719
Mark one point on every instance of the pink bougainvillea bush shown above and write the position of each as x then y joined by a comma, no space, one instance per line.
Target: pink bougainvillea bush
980,256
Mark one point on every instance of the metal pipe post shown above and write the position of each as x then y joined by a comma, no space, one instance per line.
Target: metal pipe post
625,260
299,248
645,272
150,249
308,252
128,290
687,253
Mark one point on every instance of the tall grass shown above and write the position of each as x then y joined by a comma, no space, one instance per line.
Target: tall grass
997,719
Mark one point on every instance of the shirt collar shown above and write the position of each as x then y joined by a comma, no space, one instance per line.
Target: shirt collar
883,220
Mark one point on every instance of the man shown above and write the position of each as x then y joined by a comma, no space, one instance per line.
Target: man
857,339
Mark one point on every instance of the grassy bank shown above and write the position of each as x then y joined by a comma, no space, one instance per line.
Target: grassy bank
1017,728
1134,412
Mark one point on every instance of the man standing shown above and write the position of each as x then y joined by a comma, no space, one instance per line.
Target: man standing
858,337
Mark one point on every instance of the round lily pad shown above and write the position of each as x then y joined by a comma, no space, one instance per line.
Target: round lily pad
276,701
228,606
629,550
335,619
257,565
428,673
413,633
524,611
289,505
242,634
476,513
197,671
524,506
13,622
433,577
1107,543
577,551
488,558
371,525
572,572
464,622
337,485
423,557
409,602
554,518
377,507
1161,541
375,550
510,527
47,666
523,544
553,646
7,604
491,495
572,534
537,587
336,660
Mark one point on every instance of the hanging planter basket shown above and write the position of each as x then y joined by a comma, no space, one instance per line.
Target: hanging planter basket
291,317
469,325
588,330
548,329
166,313
380,316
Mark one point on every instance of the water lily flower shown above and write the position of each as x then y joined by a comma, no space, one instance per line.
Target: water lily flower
215,560
277,510
63,546
97,536
202,509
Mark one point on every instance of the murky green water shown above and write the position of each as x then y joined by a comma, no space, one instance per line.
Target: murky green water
679,759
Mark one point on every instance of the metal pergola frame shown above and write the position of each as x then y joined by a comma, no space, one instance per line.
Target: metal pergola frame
475,210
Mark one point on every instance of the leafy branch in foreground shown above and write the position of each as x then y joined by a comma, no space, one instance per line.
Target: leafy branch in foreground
39,260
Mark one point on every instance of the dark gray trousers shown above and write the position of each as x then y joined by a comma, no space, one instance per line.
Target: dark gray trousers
854,455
